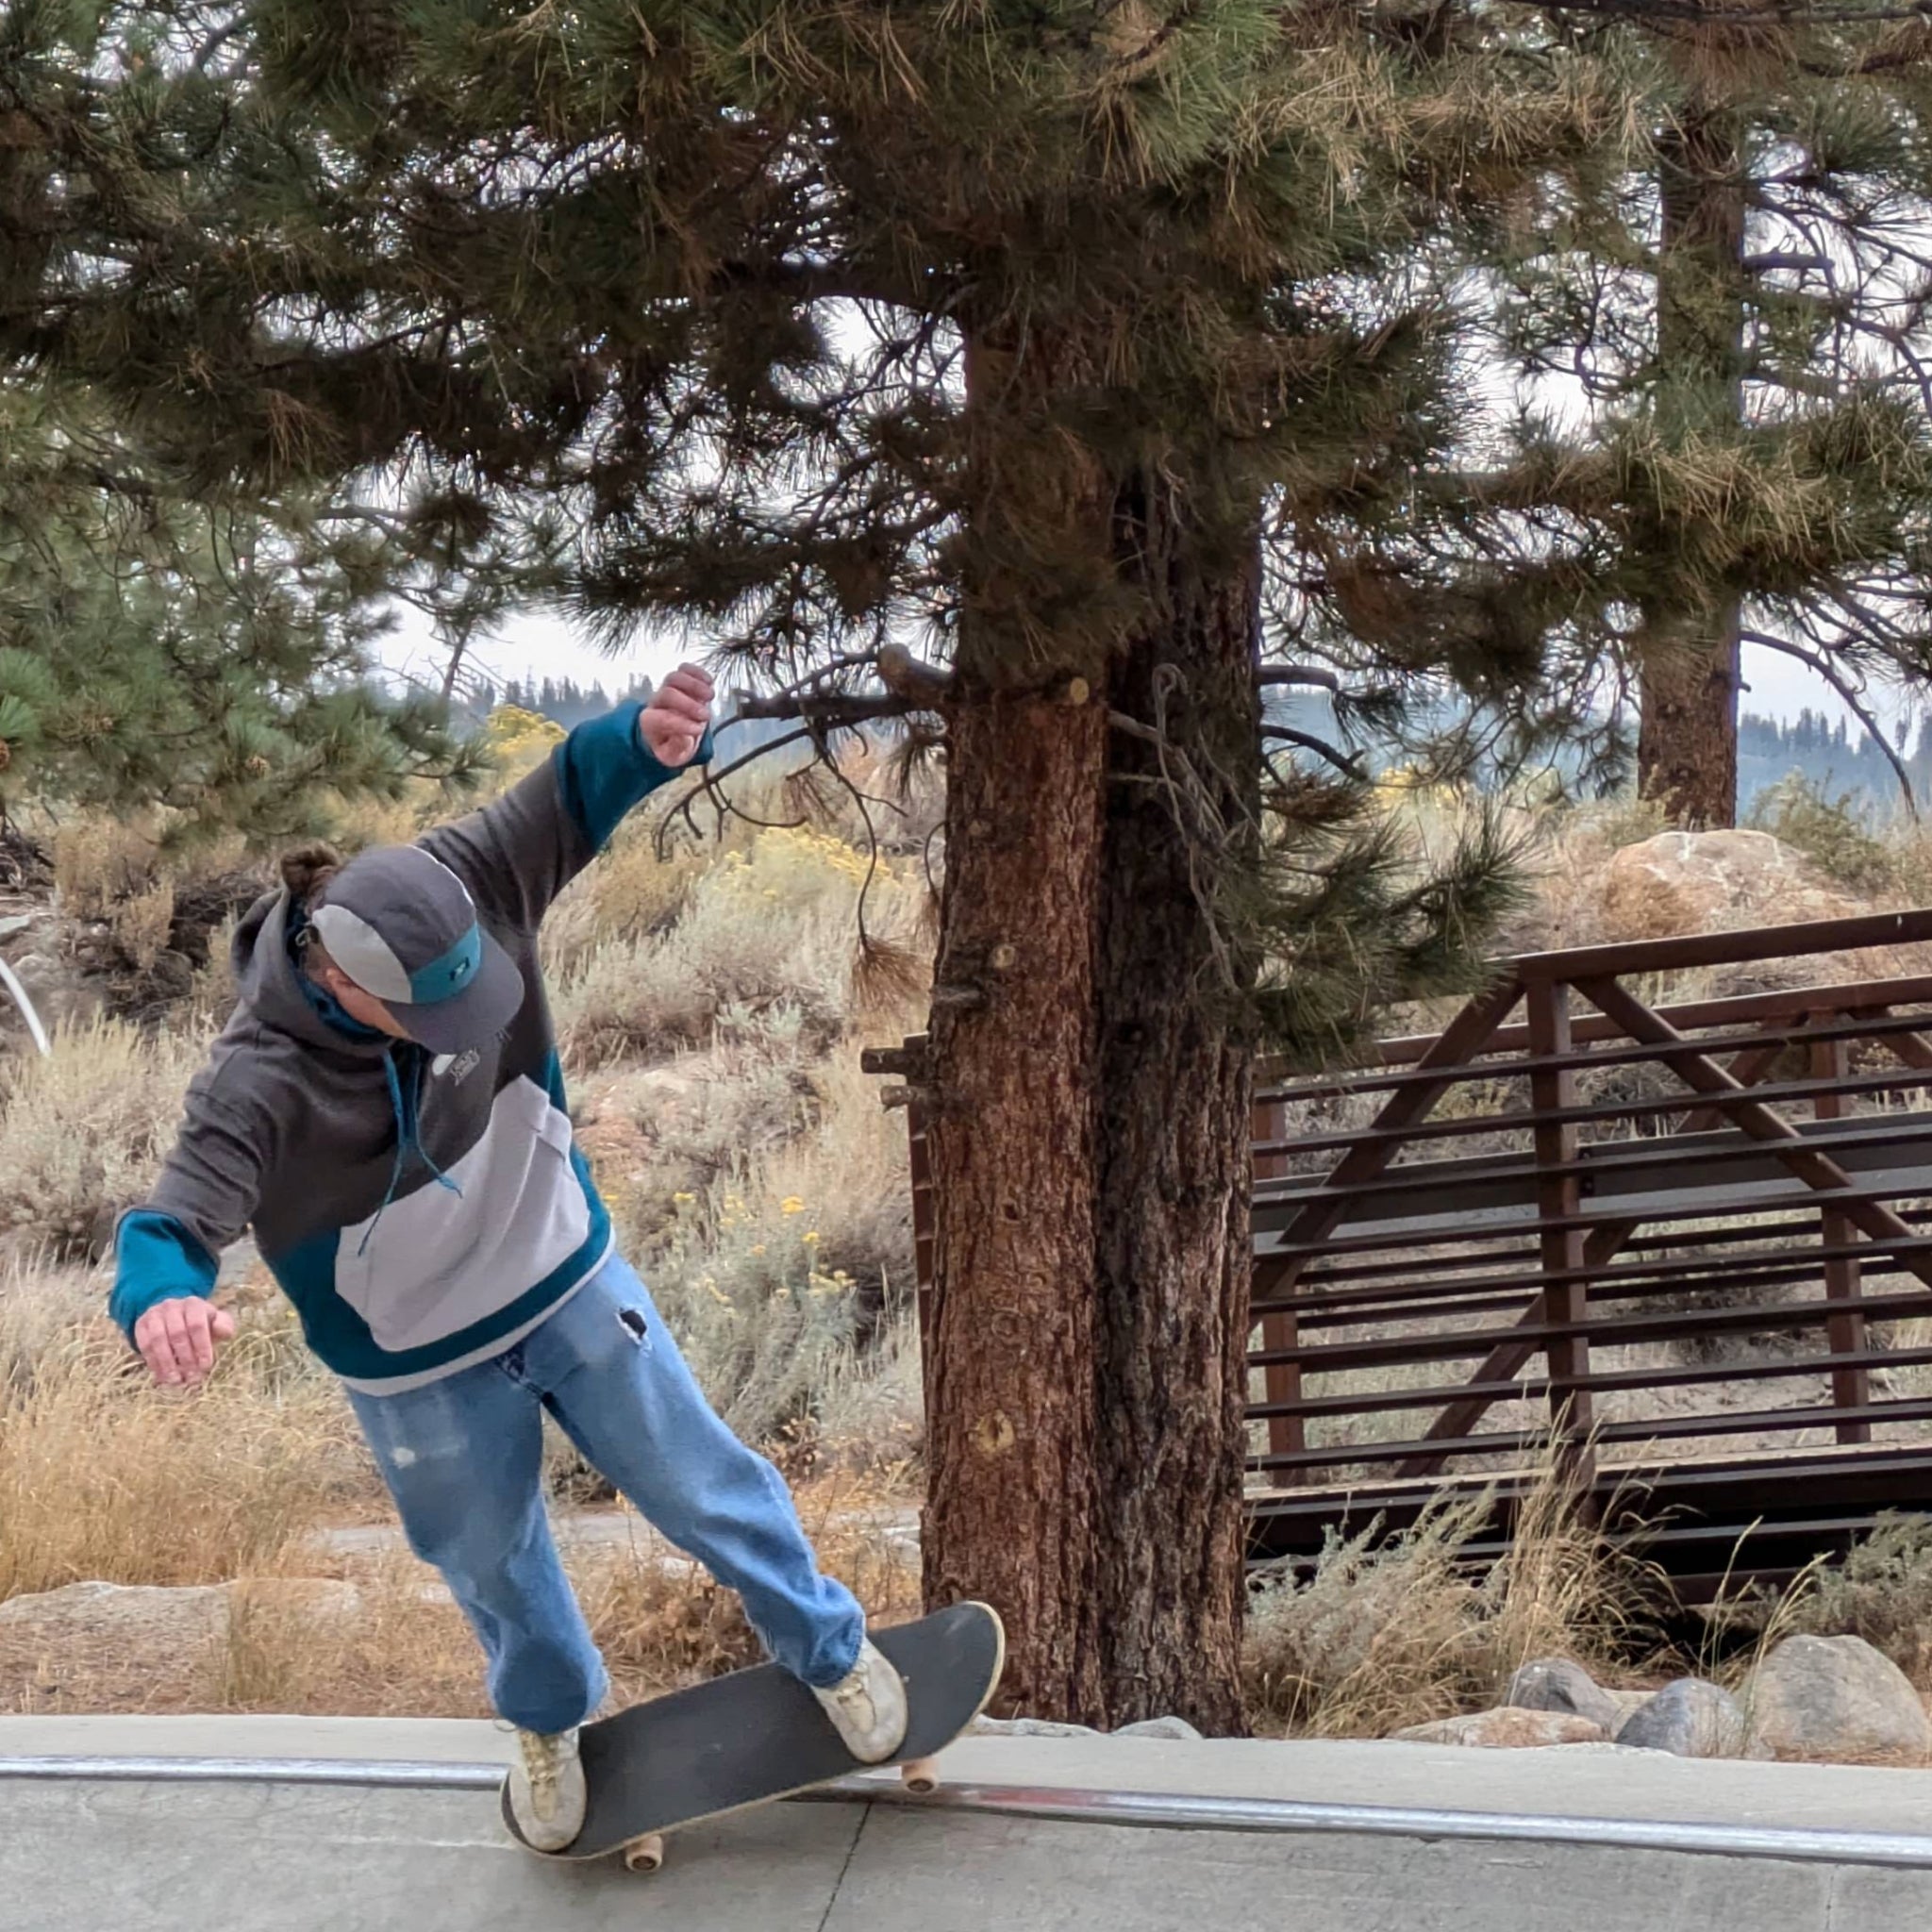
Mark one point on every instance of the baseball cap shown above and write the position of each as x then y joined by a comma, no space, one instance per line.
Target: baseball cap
403,927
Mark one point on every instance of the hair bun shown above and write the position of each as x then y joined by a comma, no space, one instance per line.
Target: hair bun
308,869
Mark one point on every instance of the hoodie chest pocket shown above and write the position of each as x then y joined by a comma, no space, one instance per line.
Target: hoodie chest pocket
439,1259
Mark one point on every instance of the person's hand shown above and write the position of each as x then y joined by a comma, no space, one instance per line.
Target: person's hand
176,1338
672,724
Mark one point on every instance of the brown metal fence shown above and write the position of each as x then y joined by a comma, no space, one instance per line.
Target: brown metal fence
1688,1241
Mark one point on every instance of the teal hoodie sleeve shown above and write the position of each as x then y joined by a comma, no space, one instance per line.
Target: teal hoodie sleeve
156,1259
520,851
203,1199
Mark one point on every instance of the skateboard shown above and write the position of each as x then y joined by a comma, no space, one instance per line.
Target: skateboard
759,1735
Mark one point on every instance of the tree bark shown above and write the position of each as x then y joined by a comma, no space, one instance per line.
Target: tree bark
1686,741
1086,1126
1012,1510
1172,1186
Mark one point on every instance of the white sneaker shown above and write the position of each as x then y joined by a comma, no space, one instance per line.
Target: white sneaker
867,1706
546,1788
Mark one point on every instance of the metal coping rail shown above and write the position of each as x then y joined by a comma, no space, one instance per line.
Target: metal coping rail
1149,1810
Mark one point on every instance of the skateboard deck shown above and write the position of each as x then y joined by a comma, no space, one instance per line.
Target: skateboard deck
759,1735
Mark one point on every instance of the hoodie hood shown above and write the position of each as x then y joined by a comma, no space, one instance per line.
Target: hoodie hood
270,987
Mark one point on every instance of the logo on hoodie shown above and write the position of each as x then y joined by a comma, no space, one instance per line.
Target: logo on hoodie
457,1066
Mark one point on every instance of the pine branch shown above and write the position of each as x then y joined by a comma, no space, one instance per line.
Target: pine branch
1310,674
1307,741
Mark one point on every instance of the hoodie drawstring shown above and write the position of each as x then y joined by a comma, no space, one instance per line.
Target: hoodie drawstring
408,1142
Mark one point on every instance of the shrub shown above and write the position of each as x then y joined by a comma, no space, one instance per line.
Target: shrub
776,925
1882,1591
1833,833
83,1129
763,1327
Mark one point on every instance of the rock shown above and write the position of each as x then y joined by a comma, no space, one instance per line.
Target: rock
1028,1727
139,1615
1684,882
1177,1728
61,992
1557,1684
1508,1729
132,1646
1836,1697
1624,1702
15,924
1688,1718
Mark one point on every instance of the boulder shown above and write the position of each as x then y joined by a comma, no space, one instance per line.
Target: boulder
60,990
1688,1718
1176,1729
1557,1684
142,1615
1624,1703
1508,1730
1685,882
1832,1697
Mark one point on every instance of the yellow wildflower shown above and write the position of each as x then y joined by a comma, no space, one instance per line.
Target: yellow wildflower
790,1205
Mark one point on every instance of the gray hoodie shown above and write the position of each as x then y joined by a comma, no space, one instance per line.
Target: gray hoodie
421,1213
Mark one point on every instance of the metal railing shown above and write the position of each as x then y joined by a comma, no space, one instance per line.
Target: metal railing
1577,1213
1596,1201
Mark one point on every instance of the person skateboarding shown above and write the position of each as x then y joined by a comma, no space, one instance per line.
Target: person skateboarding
386,1106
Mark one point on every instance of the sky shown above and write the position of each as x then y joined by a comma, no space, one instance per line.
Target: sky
544,644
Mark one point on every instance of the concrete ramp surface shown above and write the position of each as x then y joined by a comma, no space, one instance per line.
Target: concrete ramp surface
158,1825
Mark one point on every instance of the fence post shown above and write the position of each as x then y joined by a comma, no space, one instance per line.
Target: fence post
1280,1381
1559,1197
1851,1387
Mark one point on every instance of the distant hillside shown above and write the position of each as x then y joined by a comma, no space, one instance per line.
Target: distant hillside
565,702
1835,757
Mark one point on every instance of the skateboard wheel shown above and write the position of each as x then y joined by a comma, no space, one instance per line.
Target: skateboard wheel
921,1776
644,1853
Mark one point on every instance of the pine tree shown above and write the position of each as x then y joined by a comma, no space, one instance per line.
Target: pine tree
170,640
159,656
1747,320
1088,349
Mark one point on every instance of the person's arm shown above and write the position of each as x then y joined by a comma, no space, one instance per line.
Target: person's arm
520,851
166,1250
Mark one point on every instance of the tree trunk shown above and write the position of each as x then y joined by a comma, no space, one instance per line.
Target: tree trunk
1175,1095
1687,743
1088,1136
1012,1510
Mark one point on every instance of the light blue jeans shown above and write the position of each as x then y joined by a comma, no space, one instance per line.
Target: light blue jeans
463,1458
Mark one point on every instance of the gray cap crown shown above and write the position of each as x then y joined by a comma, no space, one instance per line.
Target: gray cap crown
403,927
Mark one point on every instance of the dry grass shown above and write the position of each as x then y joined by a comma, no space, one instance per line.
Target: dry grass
386,1640
103,1477
1383,1636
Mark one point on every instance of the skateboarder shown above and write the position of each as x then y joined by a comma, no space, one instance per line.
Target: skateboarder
386,1108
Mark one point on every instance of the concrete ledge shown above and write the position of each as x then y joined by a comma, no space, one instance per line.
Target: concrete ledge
163,1855
1576,1781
